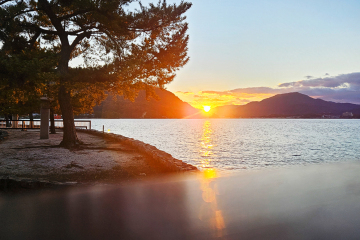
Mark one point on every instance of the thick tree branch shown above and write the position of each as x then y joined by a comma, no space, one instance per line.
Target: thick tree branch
4,1
46,7
79,38
76,32
37,28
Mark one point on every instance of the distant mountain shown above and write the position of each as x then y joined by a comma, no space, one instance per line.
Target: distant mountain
168,106
287,105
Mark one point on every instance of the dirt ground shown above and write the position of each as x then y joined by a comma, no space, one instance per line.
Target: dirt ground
24,155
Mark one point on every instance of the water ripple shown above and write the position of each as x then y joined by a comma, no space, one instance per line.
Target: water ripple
237,144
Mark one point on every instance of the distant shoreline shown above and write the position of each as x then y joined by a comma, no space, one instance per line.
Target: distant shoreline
231,118
290,117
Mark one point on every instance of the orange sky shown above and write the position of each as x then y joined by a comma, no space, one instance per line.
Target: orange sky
215,99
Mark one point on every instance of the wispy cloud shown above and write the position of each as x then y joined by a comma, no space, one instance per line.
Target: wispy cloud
185,93
341,88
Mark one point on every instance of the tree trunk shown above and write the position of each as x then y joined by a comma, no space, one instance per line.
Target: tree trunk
52,122
70,138
8,124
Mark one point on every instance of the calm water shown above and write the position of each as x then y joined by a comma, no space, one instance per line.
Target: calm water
236,144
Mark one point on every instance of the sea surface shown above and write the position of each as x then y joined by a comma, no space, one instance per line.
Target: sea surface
240,144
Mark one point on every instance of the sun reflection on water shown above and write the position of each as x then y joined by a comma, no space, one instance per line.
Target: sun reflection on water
209,210
206,145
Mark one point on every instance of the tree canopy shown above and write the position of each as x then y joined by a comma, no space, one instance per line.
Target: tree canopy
124,45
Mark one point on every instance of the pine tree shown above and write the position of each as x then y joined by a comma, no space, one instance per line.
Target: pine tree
125,48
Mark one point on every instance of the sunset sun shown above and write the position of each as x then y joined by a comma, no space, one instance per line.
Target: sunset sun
207,108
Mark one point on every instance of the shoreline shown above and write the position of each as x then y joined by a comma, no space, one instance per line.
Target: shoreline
28,163
163,158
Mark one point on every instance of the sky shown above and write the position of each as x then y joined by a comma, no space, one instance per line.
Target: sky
248,50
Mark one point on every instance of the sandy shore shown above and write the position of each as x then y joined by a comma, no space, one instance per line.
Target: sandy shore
100,160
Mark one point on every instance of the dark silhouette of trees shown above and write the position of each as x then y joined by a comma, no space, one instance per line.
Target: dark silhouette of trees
25,68
124,49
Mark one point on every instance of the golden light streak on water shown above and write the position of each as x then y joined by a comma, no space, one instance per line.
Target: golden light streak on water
206,145
210,173
209,210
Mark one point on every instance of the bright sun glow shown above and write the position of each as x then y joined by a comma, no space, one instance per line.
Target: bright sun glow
207,108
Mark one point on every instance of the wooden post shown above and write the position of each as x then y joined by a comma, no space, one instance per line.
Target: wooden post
52,122
31,117
15,119
44,118
7,118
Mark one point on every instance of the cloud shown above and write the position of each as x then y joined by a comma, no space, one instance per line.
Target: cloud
185,93
351,79
214,92
256,90
342,88
217,100
243,100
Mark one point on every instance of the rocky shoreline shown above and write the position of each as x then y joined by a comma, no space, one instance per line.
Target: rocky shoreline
157,155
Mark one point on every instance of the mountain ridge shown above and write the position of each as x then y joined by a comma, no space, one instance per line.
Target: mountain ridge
168,106
284,105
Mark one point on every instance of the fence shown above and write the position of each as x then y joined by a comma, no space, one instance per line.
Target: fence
27,124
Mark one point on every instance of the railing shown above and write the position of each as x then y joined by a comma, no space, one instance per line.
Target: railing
35,124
